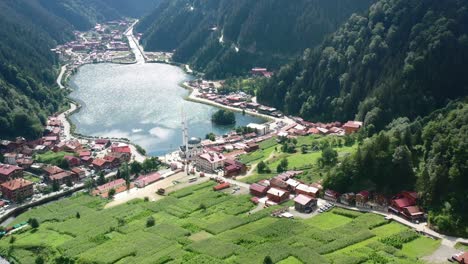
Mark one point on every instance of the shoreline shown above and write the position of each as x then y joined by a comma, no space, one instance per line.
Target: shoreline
74,106
193,98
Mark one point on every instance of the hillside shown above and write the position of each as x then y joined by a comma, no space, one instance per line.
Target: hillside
401,58
223,38
30,28
429,155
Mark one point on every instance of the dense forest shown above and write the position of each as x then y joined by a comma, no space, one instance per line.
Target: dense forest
30,28
402,58
223,38
429,155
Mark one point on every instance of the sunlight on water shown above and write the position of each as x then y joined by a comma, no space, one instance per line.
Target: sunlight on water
142,102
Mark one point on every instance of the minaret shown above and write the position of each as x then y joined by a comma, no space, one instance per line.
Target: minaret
185,140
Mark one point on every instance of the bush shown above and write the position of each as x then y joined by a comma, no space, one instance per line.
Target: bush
397,240
150,221
346,213
33,222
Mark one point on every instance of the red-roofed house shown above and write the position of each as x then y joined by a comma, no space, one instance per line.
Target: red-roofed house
110,185
304,203
233,168
362,198
331,195
17,189
73,161
277,195
352,127
124,153
145,180
101,164
258,190
280,184
64,177
79,173
51,170
307,190
8,172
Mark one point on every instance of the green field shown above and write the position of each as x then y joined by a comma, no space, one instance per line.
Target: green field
51,157
307,162
220,231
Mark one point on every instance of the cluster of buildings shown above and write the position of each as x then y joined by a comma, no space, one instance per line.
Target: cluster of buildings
284,187
404,203
300,127
105,43
83,158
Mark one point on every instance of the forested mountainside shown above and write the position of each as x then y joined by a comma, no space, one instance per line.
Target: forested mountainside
402,58
429,155
85,13
29,29
224,37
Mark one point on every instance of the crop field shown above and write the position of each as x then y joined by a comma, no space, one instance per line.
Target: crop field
198,225
270,152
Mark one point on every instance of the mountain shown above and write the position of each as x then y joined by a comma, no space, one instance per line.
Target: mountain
223,37
30,28
401,58
429,155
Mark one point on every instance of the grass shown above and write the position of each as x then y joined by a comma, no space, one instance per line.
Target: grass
202,235
420,247
290,260
461,246
307,162
51,157
218,232
328,221
32,178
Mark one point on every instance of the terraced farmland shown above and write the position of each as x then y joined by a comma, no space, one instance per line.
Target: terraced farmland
198,225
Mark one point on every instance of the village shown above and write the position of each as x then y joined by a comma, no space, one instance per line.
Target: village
106,42
60,163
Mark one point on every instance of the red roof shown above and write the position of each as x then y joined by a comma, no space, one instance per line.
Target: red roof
150,178
122,149
8,169
51,170
221,186
16,184
414,210
110,185
99,162
403,202
258,188
85,153
110,158
303,199
364,194
60,176
461,257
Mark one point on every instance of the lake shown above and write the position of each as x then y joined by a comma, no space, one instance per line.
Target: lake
141,102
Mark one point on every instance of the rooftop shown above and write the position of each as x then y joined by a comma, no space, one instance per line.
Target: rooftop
8,169
16,184
276,192
303,199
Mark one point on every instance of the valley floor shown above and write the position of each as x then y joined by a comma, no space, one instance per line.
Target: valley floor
199,225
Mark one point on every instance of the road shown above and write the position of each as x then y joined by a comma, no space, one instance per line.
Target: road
134,45
66,125
60,77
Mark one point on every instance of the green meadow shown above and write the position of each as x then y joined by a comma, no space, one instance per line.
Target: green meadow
198,225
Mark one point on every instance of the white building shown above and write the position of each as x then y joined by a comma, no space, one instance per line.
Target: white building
261,129
194,149
210,162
